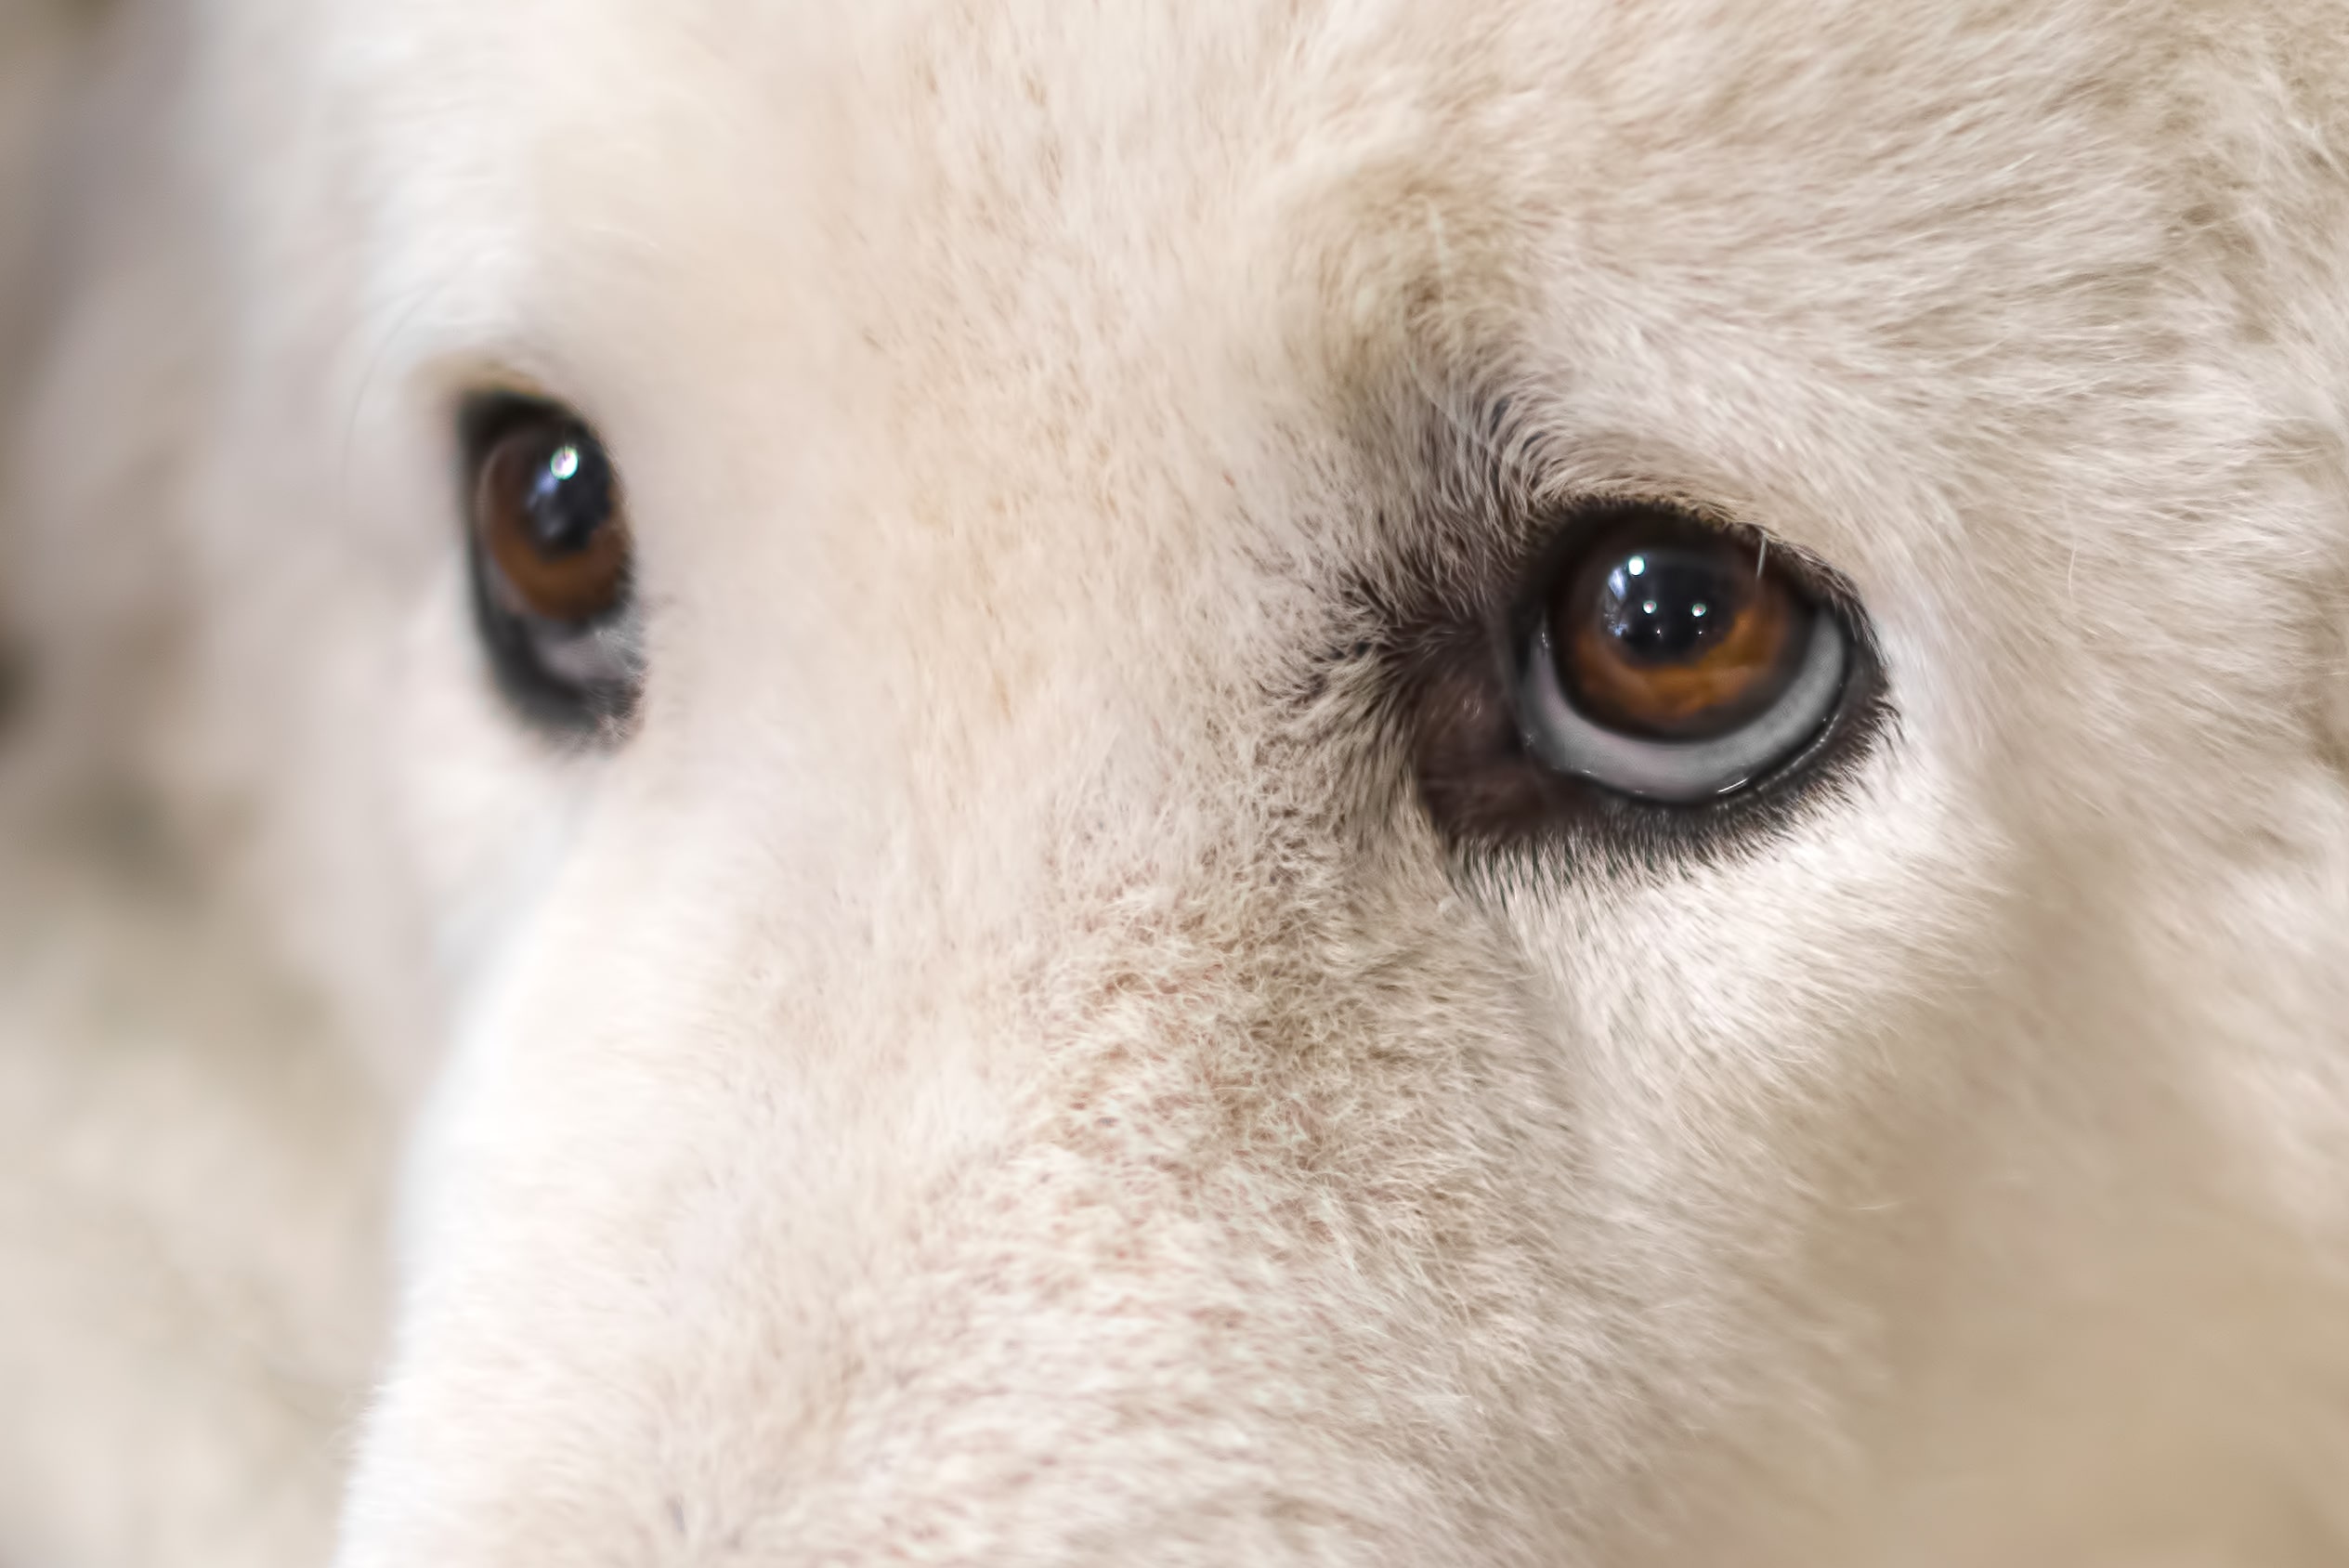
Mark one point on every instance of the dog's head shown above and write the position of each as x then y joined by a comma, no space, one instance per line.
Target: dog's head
1008,710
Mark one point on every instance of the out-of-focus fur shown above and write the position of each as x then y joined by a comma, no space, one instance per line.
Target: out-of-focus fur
192,1175
998,1068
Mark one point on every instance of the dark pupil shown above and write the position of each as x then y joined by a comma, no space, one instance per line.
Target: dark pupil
1668,607
571,495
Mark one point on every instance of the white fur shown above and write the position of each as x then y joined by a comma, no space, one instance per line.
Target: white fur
991,1071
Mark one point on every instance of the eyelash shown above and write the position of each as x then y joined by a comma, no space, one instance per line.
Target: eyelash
1449,670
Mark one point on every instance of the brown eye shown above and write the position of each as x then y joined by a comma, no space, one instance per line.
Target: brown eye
547,513
1673,660
1676,637
552,562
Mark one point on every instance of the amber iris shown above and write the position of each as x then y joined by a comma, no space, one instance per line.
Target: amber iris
1670,630
546,512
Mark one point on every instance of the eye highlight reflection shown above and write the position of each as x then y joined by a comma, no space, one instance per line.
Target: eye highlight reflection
552,563
1671,661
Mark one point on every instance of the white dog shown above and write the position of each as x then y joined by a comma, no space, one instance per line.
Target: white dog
1195,782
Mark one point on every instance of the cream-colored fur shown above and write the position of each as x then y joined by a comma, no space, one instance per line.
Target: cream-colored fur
999,1067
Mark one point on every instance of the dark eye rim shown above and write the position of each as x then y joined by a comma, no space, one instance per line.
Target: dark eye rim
1493,802
512,641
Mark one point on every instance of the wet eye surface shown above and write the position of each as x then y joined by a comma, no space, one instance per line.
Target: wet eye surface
1671,661
553,580
1642,685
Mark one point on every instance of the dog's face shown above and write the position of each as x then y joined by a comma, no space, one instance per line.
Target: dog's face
974,688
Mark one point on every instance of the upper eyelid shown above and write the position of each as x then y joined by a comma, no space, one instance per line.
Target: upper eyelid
1512,449
481,417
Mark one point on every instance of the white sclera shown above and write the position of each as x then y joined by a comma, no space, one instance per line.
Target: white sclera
1679,772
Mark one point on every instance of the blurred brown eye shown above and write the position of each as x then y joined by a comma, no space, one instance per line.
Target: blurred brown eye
547,513
1672,660
552,569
